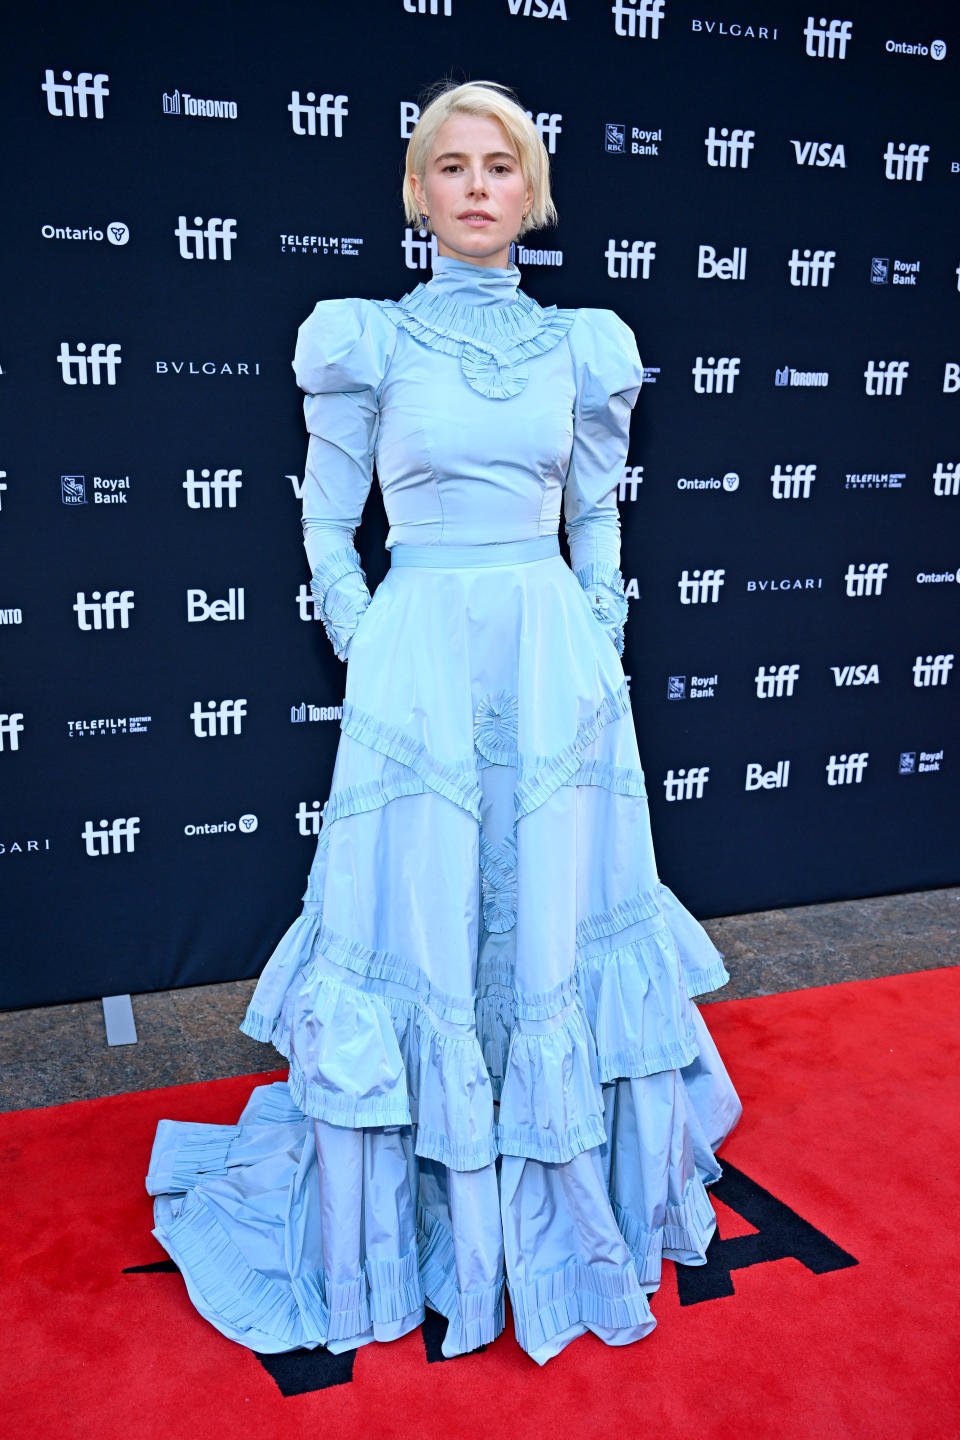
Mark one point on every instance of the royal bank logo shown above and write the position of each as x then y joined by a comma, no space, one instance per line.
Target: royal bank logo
729,483
776,779
875,480
931,670
104,725
116,232
700,587
98,367
686,784
847,769
734,29
715,376
700,687
802,379
946,478
105,489
776,682
217,718
919,762
245,825
793,482
827,39
863,580
886,377
538,9
306,714
419,249
908,762
71,99
181,102
111,837
630,259
336,245
210,241
110,611
820,154
727,267
199,608
729,149
11,728
213,489
630,482
308,817
73,489
638,19
845,675
903,272
903,161
622,139
936,50
311,116
811,268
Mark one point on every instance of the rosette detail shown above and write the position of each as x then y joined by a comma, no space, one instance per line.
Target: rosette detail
495,728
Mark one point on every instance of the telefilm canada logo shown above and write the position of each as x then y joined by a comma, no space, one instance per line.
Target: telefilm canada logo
297,243
109,725
104,489
874,480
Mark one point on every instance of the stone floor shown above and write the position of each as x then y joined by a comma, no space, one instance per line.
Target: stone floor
60,1053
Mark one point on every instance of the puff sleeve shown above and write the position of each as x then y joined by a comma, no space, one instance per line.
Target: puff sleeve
342,352
608,378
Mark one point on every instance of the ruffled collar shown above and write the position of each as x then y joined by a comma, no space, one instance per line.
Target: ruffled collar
481,315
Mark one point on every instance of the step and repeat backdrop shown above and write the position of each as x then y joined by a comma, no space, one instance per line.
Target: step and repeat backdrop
768,194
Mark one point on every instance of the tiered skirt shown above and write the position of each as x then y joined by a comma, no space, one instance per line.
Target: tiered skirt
498,1078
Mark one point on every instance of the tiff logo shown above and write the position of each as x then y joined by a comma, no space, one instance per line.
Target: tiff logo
630,481
793,482
886,377
200,241
307,606
813,268
631,263
700,589
686,784
847,769
86,87
420,253
111,836
827,41
548,127
631,17
218,718
776,681
304,114
731,149
715,377
428,7
865,579
906,162
100,613
946,478
927,670
209,490
11,727
83,369
308,821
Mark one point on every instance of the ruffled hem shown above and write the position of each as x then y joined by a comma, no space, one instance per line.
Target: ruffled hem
341,606
475,1317
603,585
687,1230
609,1296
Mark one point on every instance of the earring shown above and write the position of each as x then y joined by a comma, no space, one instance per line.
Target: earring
423,220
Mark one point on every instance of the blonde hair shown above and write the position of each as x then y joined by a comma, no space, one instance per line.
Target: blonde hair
496,102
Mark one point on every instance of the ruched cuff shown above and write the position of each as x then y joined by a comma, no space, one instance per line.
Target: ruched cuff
603,586
339,586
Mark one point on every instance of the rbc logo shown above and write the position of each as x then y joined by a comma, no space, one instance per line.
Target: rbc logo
908,762
906,162
715,377
304,114
615,139
83,369
73,489
101,613
865,579
631,17
676,687
111,836
217,719
827,41
87,87
886,377
11,727
200,242
700,589
211,489
686,784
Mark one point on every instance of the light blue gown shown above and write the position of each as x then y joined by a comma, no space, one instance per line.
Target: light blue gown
496,1071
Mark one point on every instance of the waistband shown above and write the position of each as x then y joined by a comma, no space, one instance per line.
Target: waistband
499,552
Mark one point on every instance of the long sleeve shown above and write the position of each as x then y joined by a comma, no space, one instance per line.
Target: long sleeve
341,355
608,377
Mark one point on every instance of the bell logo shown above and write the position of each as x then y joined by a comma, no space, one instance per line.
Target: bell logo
847,769
86,87
906,162
812,268
886,377
865,579
946,478
630,261
11,728
732,267
793,482
760,779
305,114
223,718
631,18
951,375
827,41
79,368
308,820
927,670
101,612
110,837
199,608
715,377
686,784
697,589
730,149
209,490
776,681
199,242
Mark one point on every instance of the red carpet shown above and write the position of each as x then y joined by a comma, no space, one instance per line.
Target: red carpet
852,1100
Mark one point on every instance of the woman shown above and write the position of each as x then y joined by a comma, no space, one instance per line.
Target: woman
495,1071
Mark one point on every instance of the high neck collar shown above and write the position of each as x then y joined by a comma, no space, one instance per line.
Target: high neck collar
469,284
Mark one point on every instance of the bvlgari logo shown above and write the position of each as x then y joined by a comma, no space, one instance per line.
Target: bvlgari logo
246,368
734,29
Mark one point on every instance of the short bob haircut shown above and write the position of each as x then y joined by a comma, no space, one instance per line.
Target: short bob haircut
496,102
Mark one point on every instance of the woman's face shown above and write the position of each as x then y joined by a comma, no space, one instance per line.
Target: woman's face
473,190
